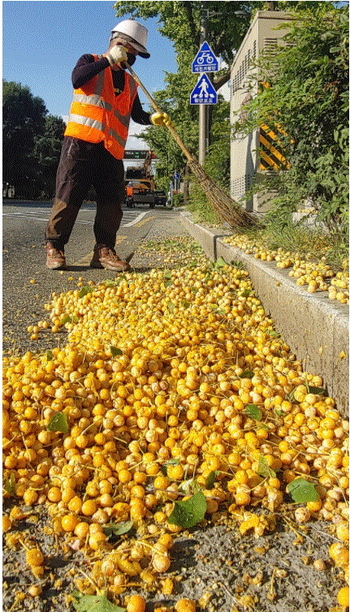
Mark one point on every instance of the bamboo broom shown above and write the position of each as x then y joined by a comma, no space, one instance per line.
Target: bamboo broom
227,208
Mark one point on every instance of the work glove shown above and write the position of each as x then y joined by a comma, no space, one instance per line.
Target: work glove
117,55
161,119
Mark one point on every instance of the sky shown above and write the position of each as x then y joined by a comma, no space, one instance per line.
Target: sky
42,42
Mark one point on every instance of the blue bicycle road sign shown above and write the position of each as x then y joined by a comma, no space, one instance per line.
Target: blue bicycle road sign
205,60
204,92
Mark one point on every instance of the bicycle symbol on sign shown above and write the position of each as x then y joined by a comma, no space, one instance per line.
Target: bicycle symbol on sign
205,56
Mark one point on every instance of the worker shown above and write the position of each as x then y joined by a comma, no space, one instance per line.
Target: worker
129,189
105,97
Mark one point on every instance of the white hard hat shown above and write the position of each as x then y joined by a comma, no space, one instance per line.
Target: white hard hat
135,32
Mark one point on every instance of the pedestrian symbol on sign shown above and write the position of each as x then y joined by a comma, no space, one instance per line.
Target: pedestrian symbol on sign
204,92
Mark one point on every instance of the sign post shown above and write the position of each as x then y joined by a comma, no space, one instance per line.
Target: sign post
204,93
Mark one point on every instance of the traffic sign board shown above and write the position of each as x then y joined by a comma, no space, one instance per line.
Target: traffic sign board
135,154
205,60
204,92
138,154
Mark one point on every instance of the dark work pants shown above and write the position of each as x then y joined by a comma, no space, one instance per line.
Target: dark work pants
81,165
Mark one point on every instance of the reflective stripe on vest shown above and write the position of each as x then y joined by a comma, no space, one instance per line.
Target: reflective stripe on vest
96,125
94,116
95,100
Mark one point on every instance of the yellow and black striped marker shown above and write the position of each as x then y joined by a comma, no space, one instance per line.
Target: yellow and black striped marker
271,154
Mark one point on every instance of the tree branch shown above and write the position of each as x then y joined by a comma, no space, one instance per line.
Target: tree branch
221,80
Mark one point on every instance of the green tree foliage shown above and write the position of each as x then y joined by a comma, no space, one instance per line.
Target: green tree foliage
46,154
180,22
308,96
23,118
31,142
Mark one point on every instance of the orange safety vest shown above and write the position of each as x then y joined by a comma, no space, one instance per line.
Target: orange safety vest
97,115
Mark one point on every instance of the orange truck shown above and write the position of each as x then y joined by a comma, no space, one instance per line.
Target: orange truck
139,185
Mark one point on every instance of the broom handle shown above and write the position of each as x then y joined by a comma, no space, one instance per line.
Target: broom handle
158,110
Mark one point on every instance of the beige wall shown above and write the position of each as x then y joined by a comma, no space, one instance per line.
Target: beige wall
262,36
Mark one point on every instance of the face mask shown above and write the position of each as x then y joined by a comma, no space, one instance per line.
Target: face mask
131,59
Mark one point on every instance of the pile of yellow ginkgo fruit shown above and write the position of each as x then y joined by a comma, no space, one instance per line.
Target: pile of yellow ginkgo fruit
315,275
169,382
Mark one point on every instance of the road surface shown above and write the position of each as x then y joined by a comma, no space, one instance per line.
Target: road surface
28,284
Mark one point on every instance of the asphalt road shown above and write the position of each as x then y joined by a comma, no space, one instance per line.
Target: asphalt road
28,284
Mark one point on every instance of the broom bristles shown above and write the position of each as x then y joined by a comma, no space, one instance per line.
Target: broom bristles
228,209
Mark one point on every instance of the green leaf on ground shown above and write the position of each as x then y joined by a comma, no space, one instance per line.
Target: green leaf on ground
290,396
317,391
65,319
166,464
85,290
264,469
237,264
273,333
59,422
117,528
217,310
9,484
69,319
220,262
302,491
247,374
189,512
167,278
210,479
115,351
253,411
190,486
94,603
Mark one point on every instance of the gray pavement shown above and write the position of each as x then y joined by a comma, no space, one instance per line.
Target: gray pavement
28,284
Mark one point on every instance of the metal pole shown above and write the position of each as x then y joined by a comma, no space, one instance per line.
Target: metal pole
202,107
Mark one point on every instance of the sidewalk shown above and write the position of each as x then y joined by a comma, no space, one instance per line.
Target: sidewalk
315,327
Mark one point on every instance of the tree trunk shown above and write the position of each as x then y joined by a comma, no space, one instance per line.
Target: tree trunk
186,184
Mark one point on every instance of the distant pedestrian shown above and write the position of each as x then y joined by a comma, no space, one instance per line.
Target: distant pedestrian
130,189
105,98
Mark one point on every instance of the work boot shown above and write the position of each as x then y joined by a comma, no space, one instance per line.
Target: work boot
106,257
55,259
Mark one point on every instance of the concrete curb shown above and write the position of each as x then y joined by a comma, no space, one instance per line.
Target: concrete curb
316,329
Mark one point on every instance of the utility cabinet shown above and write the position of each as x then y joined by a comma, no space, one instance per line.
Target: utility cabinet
247,166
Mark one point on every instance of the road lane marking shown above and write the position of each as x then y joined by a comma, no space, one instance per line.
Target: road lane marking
33,216
140,223
24,216
139,217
